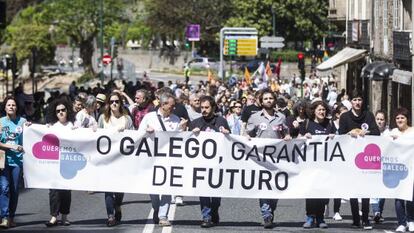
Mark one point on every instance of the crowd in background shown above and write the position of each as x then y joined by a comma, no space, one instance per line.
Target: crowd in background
270,110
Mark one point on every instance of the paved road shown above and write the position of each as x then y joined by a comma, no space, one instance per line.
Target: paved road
237,215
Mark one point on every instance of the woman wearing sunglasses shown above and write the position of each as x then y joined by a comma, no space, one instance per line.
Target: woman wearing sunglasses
61,116
115,117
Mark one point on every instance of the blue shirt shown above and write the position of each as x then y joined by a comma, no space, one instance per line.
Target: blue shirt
12,134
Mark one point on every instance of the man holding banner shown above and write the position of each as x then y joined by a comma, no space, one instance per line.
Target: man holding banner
358,122
209,122
268,123
161,120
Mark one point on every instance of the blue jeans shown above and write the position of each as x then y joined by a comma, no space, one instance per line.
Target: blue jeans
404,211
379,206
161,204
267,207
209,205
113,200
9,193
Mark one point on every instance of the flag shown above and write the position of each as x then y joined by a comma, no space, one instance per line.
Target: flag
268,71
247,76
262,71
277,67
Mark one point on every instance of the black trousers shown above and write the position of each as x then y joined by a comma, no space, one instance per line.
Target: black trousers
316,207
355,210
59,201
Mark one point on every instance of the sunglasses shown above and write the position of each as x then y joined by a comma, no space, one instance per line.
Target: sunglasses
236,106
60,110
114,101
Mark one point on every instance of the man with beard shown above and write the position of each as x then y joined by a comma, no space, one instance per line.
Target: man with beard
209,122
358,122
141,106
268,123
193,108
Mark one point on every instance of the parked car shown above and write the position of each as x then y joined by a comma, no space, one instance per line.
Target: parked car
203,63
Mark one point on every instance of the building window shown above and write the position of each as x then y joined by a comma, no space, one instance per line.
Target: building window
396,14
376,14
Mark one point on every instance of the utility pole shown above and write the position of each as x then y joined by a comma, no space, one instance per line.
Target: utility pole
101,40
412,63
274,20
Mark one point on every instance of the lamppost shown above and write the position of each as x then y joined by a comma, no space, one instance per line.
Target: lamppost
101,40
273,20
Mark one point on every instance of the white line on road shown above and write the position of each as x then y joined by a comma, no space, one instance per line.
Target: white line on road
149,226
171,215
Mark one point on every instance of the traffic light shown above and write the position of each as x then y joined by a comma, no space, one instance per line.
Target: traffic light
301,65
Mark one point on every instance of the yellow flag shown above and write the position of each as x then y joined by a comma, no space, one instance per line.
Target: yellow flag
210,76
247,76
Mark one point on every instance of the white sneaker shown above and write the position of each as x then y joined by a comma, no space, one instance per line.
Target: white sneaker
179,201
337,217
401,228
360,213
411,226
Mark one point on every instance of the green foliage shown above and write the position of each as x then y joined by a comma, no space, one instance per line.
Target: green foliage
295,19
85,78
170,18
286,55
26,33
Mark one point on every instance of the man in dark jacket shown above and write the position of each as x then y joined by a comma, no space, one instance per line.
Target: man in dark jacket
211,123
358,122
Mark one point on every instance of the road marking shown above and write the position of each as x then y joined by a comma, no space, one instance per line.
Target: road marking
149,226
388,231
171,215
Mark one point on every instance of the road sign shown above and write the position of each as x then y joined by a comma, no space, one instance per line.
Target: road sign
272,39
106,59
240,45
192,32
274,45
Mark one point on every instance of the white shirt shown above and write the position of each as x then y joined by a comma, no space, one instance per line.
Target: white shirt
171,123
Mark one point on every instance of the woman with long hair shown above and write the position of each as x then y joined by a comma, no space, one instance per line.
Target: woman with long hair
404,209
11,127
317,124
115,117
61,116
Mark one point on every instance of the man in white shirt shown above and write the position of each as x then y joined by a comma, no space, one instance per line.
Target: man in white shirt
161,120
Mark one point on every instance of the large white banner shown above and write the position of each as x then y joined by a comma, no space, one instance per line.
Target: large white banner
214,164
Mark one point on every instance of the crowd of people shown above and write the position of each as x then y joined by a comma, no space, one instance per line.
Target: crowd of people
269,112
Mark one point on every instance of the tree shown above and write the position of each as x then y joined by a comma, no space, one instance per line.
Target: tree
26,33
79,20
170,18
295,19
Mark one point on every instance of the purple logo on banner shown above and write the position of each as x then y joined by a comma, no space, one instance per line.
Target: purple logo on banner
193,32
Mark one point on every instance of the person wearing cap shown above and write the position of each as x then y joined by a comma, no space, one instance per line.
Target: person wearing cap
100,102
358,122
234,119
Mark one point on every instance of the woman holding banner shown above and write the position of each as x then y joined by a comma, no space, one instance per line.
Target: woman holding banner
115,117
403,209
317,124
12,137
61,116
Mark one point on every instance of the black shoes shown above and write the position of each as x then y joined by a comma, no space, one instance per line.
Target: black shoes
51,224
206,224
